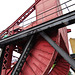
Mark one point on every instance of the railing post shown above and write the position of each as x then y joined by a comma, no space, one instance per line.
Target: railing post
67,7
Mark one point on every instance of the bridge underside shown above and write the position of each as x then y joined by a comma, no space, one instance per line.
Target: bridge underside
53,24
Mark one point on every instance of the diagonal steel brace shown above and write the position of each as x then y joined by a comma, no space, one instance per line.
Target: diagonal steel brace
58,49
23,56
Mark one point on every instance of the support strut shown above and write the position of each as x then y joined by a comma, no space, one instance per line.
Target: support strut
58,49
23,56
1,58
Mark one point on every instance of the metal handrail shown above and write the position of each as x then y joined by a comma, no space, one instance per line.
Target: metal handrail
23,26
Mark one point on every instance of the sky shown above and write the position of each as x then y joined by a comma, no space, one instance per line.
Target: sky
10,10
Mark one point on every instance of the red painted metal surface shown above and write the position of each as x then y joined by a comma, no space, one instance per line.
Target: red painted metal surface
68,30
43,55
11,47
34,64
61,67
41,58
21,18
43,6
7,59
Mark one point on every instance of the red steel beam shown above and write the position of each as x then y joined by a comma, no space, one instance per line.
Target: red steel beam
22,17
68,30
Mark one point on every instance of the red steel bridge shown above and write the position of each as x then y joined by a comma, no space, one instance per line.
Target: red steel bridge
42,43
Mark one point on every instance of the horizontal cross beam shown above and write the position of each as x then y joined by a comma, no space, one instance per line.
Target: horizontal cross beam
58,22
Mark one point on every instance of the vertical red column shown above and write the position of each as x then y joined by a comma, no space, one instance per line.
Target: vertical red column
7,59
10,56
46,8
4,66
